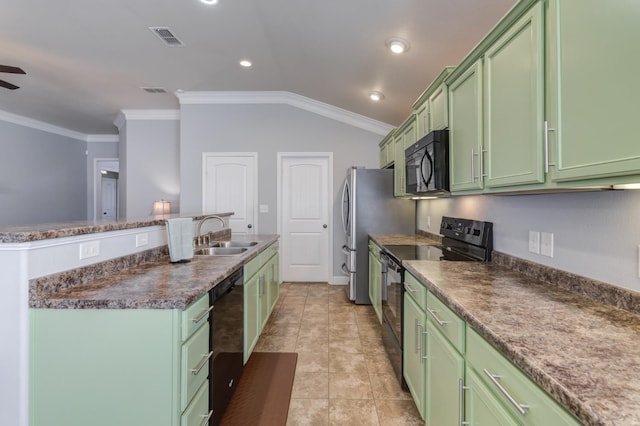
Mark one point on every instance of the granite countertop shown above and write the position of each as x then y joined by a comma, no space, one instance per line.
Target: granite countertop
583,352
45,231
155,285
399,239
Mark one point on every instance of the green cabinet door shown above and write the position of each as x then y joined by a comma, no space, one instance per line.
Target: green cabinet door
593,91
481,406
514,104
445,373
414,321
265,277
251,314
273,289
439,109
399,189
465,130
423,124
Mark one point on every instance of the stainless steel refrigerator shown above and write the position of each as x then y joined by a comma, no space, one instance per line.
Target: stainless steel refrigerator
369,207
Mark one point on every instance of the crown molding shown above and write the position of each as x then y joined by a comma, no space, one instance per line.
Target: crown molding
145,114
298,101
57,130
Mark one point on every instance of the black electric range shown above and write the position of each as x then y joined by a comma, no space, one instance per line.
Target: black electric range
463,240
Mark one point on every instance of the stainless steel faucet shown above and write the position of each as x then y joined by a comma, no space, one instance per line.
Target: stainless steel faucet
199,238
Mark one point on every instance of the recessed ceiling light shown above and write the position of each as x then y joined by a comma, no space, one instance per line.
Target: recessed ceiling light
209,1
376,96
245,63
397,45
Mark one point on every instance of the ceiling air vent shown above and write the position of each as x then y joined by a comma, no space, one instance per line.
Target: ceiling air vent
167,37
154,89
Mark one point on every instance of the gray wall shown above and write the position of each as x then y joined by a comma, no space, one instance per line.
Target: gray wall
596,234
267,130
149,166
43,176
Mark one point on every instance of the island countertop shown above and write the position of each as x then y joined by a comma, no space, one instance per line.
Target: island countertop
158,284
586,354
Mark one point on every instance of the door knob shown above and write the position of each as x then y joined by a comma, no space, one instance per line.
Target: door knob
324,226
249,226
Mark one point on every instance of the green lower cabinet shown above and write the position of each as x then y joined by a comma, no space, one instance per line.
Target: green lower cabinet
414,352
481,406
105,367
445,373
273,287
251,314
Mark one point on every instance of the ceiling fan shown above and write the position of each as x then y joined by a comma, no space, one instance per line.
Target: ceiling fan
11,70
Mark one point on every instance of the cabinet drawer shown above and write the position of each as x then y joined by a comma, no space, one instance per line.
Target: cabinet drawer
195,364
272,250
253,266
512,387
416,290
447,321
198,413
194,316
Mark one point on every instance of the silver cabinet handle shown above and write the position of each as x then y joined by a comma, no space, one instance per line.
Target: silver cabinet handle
203,362
473,168
481,160
494,379
421,345
203,315
423,342
415,336
438,320
546,146
461,389
206,418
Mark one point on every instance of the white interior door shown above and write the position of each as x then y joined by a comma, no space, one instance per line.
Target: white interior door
230,185
305,220
109,198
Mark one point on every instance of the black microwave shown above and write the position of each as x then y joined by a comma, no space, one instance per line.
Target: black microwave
427,164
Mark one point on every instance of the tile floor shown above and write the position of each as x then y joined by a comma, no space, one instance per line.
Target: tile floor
343,376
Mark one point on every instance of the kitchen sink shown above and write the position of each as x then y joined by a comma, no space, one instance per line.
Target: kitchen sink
233,243
219,251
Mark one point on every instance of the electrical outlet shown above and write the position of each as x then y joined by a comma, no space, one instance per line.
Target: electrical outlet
546,244
534,242
142,239
89,249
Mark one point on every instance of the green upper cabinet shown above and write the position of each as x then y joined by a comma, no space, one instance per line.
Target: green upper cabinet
593,89
431,108
405,135
387,154
466,129
514,103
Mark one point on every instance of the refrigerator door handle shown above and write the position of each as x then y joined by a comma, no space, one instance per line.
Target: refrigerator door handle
347,250
346,270
345,199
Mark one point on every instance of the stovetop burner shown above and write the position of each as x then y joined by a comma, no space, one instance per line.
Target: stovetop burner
424,252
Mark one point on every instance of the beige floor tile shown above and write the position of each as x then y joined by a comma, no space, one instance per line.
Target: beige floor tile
341,309
370,331
290,300
276,344
313,362
347,363
318,290
315,318
387,386
298,291
315,308
398,413
349,386
352,413
372,345
305,344
378,363
345,345
343,331
308,412
309,331
339,298
342,318
310,385
274,329
320,299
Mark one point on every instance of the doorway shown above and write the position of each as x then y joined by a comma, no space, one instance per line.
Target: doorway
305,225
105,189
230,184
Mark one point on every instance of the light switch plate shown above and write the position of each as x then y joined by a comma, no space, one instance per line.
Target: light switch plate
546,244
264,208
89,249
534,242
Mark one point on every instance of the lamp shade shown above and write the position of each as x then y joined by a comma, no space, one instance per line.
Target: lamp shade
161,207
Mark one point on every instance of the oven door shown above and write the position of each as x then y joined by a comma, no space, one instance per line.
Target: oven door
392,294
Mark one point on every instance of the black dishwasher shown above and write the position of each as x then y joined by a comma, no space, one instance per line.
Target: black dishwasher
226,340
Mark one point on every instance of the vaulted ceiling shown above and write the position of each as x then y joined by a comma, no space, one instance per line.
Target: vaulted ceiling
87,60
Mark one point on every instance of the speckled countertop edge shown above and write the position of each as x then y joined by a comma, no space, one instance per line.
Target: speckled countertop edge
155,284
46,231
584,353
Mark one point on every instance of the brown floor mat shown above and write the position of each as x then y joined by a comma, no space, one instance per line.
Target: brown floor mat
264,391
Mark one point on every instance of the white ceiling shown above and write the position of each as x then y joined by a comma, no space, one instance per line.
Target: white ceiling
86,60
